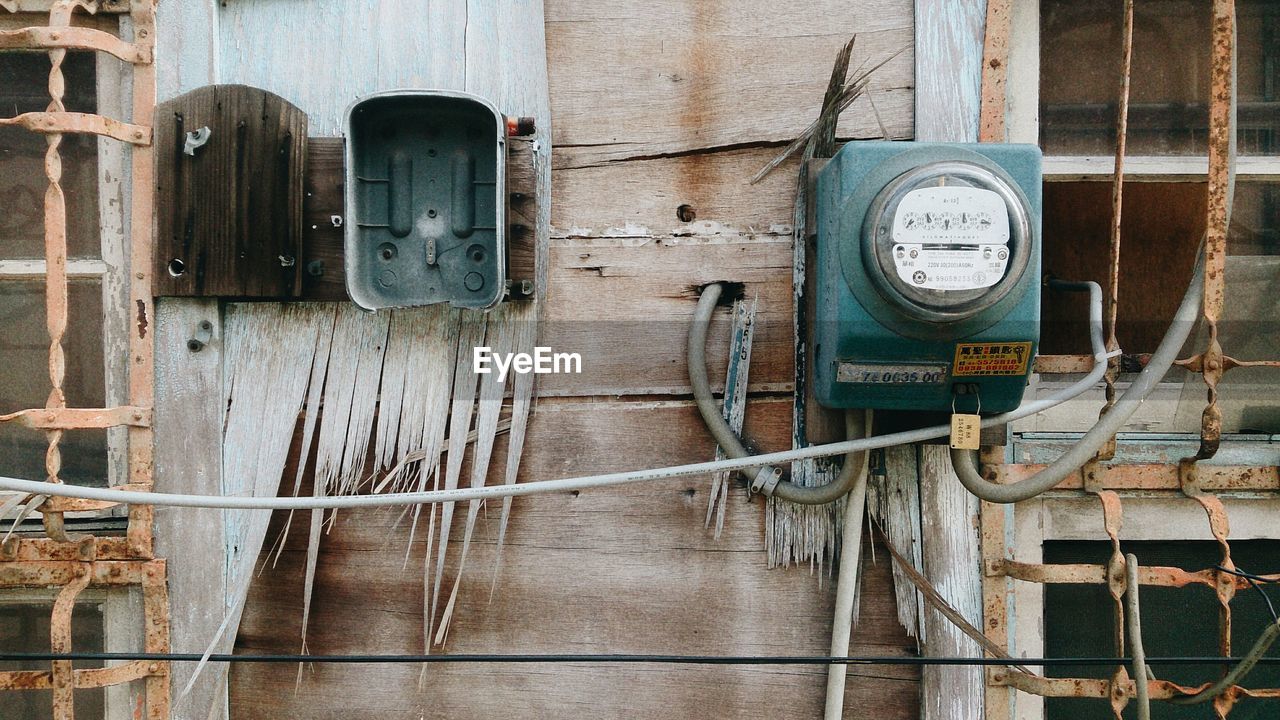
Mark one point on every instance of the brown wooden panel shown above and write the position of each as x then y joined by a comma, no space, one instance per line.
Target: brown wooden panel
523,200
228,217
626,569
323,275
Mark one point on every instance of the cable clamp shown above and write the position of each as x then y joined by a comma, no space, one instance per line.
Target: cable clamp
1103,357
766,480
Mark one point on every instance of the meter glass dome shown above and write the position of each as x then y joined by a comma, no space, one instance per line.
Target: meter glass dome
947,240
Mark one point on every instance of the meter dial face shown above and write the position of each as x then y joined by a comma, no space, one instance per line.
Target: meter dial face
947,240
951,238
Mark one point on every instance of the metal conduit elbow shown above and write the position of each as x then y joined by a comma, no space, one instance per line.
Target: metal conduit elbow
766,479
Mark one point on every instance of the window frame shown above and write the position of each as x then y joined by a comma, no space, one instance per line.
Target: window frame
121,633
1077,517
121,606
1022,125
114,92
1019,531
1022,122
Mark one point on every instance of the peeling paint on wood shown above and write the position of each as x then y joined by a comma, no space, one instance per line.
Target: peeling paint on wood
949,48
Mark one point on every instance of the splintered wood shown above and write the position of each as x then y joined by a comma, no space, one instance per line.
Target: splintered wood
735,404
398,390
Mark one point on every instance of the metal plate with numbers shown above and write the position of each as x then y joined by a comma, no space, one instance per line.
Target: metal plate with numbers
901,374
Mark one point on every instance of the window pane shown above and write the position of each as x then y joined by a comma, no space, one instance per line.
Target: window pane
1162,225
24,379
1177,622
1249,329
1080,61
24,80
24,627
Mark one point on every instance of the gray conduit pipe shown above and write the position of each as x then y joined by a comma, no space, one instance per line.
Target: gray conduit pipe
1141,673
857,424
537,487
965,461
763,479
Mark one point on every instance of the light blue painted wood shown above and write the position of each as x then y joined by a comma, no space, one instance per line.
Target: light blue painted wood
186,56
322,54
188,407
949,35
949,41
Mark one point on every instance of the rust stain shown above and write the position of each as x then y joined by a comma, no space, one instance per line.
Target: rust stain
142,319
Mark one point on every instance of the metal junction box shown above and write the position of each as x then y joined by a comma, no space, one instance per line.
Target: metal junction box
928,276
425,200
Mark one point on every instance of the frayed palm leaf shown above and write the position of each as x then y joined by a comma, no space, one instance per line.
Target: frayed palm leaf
23,514
836,102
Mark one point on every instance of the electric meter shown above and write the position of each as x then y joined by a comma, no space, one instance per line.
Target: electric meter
927,293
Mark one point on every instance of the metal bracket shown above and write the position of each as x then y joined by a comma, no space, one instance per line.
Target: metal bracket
196,140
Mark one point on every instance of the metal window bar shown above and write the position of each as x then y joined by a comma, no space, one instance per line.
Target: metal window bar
1105,481
75,562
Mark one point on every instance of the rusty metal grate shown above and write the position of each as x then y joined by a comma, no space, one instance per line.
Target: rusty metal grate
1106,481
71,563
999,569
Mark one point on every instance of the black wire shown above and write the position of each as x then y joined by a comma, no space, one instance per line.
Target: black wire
1254,581
1247,575
618,658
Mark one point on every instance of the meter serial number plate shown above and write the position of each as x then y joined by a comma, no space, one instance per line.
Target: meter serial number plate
951,238
872,374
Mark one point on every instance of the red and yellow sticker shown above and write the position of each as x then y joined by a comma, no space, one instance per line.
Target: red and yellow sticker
973,359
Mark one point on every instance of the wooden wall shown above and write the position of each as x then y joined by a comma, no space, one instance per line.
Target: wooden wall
654,105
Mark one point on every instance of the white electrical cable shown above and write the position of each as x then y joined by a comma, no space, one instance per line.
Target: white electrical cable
240,502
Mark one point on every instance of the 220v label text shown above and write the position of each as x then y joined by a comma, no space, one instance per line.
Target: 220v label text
868,374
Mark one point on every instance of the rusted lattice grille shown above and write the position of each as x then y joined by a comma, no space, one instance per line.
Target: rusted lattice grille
62,561
1106,481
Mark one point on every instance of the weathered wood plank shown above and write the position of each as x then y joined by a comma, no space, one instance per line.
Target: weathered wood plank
644,196
188,407
324,276
188,457
524,214
948,63
185,45
576,568
625,306
690,76
952,562
322,55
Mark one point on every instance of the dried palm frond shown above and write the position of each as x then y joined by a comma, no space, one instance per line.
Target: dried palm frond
838,99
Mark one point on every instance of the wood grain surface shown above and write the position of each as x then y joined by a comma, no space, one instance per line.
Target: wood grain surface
229,215
617,570
660,112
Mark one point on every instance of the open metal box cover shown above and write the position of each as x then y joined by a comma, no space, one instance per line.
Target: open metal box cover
425,178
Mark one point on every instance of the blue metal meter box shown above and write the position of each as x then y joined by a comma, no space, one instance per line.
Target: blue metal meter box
928,276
